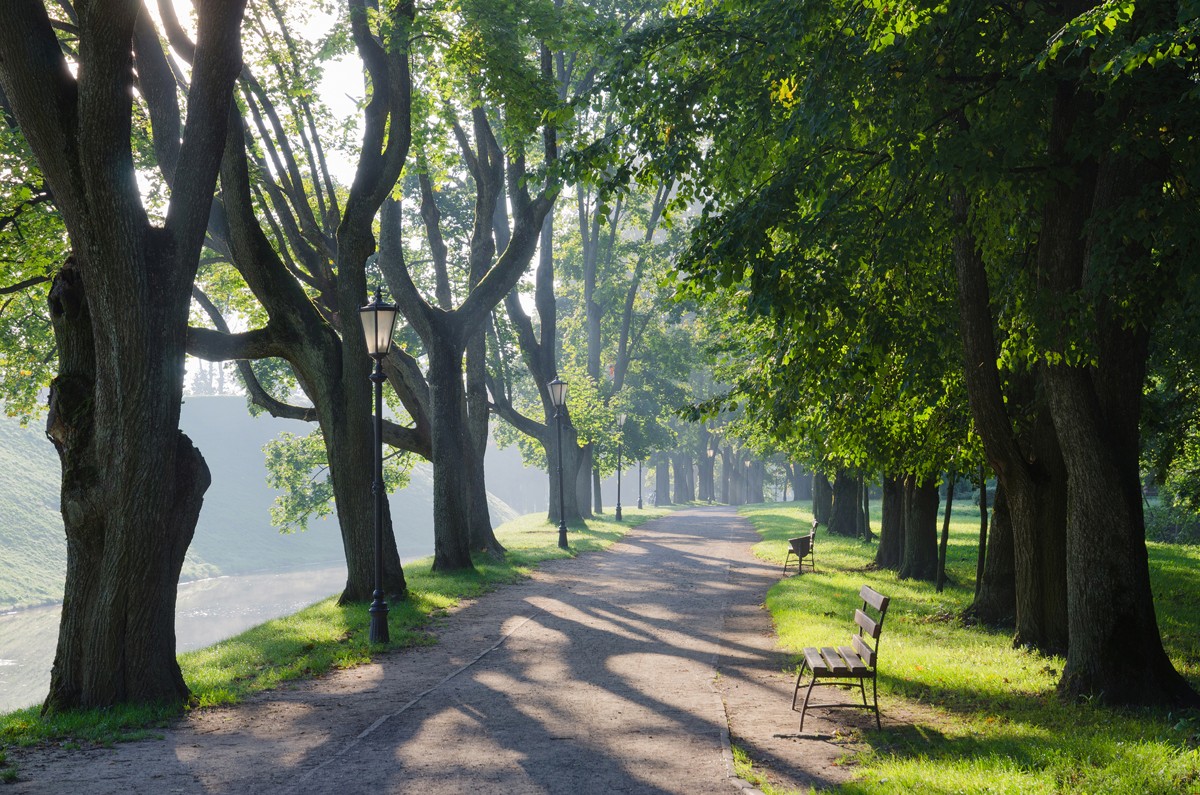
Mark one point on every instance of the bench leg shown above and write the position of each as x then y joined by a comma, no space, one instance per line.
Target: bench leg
799,676
787,558
875,693
807,694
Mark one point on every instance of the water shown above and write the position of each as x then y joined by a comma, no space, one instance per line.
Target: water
206,611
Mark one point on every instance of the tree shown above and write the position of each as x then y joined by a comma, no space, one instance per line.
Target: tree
959,120
132,482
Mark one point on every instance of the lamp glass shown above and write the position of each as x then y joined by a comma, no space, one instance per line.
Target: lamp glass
621,420
378,321
558,392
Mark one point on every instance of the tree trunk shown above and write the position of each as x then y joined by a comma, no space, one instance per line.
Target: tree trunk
570,464
662,480
726,477
1030,478
482,538
348,435
847,505
920,530
682,464
132,483
597,503
890,553
822,498
981,554
864,525
583,481
996,595
451,508
941,564
1115,650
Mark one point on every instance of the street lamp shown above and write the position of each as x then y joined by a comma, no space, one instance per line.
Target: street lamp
711,474
620,442
558,396
379,321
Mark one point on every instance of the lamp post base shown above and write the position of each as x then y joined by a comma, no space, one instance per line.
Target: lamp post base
379,624
618,511
562,535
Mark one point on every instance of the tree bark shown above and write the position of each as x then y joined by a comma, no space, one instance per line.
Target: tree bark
996,595
1115,650
945,541
1031,477
920,530
822,498
132,482
844,518
981,554
662,480
890,553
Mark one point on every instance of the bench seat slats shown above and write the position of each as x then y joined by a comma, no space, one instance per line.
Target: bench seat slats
815,662
853,661
834,662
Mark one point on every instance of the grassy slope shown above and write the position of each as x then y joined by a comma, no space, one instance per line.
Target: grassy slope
993,721
234,534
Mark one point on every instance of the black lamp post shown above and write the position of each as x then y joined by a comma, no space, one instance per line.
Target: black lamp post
711,474
620,444
639,484
379,321
558,396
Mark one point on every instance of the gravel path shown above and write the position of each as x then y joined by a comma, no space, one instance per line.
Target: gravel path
622,671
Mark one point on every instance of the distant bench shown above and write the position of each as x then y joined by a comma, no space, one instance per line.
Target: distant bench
802,548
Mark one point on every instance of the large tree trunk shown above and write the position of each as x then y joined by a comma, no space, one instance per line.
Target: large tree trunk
662,480
822,498
127,533
920,530
843,520
132,483
351,473
802,484
451,507
890,553
1032,486
482,538
583,481
1115,649
684,479
996,596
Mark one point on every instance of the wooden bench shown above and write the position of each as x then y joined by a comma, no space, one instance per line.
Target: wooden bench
856,661
802,547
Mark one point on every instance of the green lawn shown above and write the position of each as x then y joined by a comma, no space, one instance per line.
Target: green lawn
322,637
990,719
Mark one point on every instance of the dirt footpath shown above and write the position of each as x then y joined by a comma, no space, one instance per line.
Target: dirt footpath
622,671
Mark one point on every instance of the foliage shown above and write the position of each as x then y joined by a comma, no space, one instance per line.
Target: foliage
298,466
984,715
33,245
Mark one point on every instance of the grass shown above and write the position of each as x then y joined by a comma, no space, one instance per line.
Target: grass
990,721
318,639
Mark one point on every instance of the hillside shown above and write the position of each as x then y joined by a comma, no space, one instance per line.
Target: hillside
234,534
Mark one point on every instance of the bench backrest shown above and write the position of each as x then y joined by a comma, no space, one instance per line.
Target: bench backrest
801,545
866,642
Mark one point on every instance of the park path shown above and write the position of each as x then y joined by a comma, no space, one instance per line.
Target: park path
621,671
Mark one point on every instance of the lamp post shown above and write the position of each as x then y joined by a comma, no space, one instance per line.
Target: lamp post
639,484
558,396
711,474
379,321
620,443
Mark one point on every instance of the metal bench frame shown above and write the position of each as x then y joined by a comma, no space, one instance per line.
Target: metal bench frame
857,661
802,548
